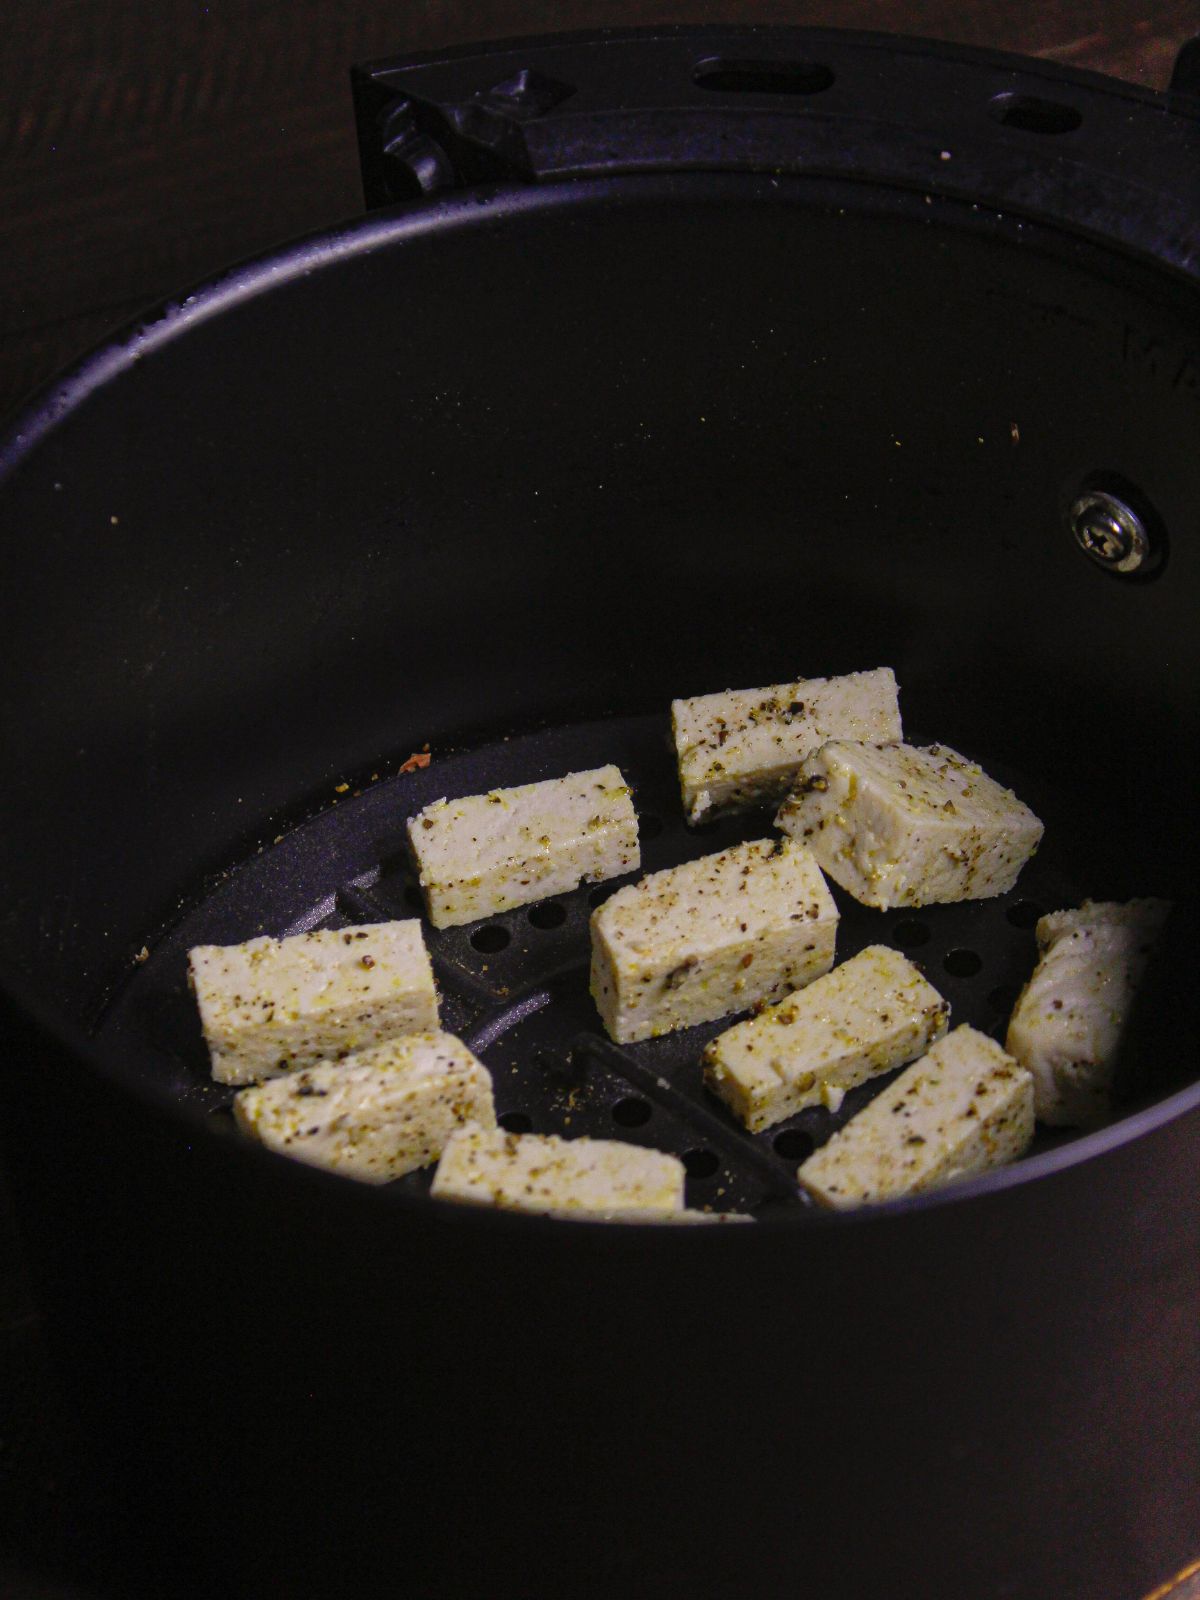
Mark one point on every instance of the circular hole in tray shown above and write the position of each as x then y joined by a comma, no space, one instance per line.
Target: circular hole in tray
910,933
490,938
547,914
701,1163
962,963
1003,998
516,1122
1024,914
793,1144
649,826
631,1112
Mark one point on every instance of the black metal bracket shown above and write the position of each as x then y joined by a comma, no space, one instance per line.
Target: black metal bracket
1075,148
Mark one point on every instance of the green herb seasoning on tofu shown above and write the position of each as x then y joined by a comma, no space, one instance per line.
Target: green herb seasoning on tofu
743,747
895,825
532,1172
872,1013
711,937
960,1110
271,1006
487,852
1066,1026
377,1114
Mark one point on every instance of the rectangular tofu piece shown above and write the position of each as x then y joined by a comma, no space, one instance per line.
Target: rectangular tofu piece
962,1109
710,937
487,852
900,826
743,747
274,1005
374,1115
870,1014
1067,1023
532,1172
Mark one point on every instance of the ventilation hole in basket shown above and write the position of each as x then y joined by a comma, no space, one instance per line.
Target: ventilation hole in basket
701,1163
910,933
516,1122
601,893
490,938
631,1112
1032,114
413,897
1004,998
649,826
549,914
762,77
962,963
793,1144
1024,914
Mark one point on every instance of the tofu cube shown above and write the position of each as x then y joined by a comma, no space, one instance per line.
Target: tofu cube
374,1115
530,1172
743,747
488,852
271,1006
960,1110
1066,1026
868,1015
711,937
900,826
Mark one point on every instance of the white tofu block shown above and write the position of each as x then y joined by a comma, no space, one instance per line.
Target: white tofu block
711,937
487,852
377,1114
743,747
872,1013
274,1005
532,1172
962,1109
1066,1026
900,826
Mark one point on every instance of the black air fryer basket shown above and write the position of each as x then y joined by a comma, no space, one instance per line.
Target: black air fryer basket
663,362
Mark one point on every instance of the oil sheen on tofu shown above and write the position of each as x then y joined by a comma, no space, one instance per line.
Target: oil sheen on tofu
710,937
1066,1026
271,1006
743,747
897,825
374,1115
872,1013
960,1110
487,852
533,1172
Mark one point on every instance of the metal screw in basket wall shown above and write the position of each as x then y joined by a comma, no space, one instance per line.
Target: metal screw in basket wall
1110,532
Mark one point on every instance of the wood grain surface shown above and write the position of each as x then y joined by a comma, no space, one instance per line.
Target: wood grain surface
143,147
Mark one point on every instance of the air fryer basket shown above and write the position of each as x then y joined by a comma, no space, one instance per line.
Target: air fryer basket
500,472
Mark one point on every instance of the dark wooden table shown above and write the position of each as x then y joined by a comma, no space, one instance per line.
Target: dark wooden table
143,146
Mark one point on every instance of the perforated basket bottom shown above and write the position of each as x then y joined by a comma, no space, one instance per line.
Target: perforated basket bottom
515,986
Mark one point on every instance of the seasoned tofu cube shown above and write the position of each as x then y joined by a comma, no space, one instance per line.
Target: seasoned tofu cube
487,852
962,1109
1067,1024
870,1014
900,826
743,747
710,937
274,1005
374,1115
530,1172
